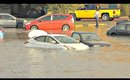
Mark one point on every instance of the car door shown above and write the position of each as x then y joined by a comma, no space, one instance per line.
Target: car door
90,12
2,21
10,21
44,23
128,29
121,29
56,23
87,12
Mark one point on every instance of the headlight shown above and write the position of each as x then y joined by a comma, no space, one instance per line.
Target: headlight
69,48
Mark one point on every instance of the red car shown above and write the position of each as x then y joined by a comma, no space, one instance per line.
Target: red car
53,23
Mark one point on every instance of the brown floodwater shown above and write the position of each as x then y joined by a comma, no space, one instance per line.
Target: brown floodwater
18,61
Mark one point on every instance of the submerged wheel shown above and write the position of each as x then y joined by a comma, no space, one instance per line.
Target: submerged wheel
113,34
34,28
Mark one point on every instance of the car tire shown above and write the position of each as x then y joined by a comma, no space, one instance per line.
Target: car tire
105,17
111,19
77,19
65,27
34,27
20,25
113,34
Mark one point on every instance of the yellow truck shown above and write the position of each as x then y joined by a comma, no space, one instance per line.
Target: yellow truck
89,10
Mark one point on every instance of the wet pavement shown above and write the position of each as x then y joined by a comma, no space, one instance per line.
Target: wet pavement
18,61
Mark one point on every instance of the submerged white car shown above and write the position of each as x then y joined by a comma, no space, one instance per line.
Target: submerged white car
55,41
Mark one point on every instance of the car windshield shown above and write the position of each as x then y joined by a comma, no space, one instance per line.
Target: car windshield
90,37
65,39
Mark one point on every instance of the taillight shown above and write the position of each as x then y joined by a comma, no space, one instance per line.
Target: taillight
114,12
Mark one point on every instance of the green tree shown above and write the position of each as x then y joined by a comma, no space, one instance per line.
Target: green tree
59,8
62,8
124,9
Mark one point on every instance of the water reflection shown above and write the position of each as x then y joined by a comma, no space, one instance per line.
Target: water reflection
20,61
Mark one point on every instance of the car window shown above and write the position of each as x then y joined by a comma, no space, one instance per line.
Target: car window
57,17
90,7
76,36
40,39
7,17
64,16
46,18
128,27
50,39
122,27
65,39
90,37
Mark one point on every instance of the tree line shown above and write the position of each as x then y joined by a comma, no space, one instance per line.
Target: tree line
65,8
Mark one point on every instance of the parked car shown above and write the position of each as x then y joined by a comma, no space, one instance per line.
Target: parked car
53,23
89,38
55,41
122,21
8,20
88,11
120,29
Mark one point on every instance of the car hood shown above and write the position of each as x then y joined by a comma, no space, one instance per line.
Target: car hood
101,43
77,46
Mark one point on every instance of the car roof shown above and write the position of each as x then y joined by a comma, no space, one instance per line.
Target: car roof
5,14
52,35
124,23
57,35
84,32
53,14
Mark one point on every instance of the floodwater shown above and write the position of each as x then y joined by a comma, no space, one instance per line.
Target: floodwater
18,61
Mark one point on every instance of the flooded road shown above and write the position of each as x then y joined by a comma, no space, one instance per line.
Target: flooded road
18,61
